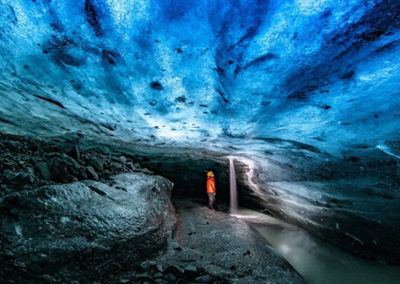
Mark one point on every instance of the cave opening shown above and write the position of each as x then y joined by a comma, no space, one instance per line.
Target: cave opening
189,175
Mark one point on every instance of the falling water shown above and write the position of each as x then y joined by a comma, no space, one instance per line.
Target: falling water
232,184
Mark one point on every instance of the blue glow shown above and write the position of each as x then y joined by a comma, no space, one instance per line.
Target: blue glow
325,73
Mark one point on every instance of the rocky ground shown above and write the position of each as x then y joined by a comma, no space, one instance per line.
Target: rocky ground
88,214
213,246
28,163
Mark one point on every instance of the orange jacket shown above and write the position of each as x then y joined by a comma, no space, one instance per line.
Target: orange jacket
210,185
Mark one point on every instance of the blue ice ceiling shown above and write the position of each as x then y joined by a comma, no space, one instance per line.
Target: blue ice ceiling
325,73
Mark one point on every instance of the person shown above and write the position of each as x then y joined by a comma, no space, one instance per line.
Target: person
211,192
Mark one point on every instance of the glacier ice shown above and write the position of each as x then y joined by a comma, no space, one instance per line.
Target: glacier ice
200,73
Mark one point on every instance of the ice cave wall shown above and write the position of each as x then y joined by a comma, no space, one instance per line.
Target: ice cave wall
325,73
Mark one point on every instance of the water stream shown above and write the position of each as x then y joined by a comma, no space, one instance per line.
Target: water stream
232,187
317,261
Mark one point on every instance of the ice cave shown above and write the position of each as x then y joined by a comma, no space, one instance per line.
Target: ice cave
208,141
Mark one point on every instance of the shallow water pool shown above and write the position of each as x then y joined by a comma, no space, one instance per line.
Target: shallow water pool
317,261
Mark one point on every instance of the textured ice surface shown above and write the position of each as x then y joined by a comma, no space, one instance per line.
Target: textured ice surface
325,73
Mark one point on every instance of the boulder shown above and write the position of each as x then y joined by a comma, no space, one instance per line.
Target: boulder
91,173
122,159
203,279
147,265
96,162
43,171
158,275
90,223
75,152
175,270
58,169
61,167
71,149
160,268
144,277
19,178
191,272
170,277
116,166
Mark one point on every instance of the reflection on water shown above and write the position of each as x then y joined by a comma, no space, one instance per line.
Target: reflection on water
317,261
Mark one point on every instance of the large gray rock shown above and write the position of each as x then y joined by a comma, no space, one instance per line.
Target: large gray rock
85,229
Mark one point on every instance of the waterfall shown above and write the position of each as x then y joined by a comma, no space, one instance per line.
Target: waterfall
232,185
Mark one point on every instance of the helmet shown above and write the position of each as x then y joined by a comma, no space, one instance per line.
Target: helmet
210,174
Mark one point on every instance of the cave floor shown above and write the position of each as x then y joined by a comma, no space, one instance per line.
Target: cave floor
224,248
227,246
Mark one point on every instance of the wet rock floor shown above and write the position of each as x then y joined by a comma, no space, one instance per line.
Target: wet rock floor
223,249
